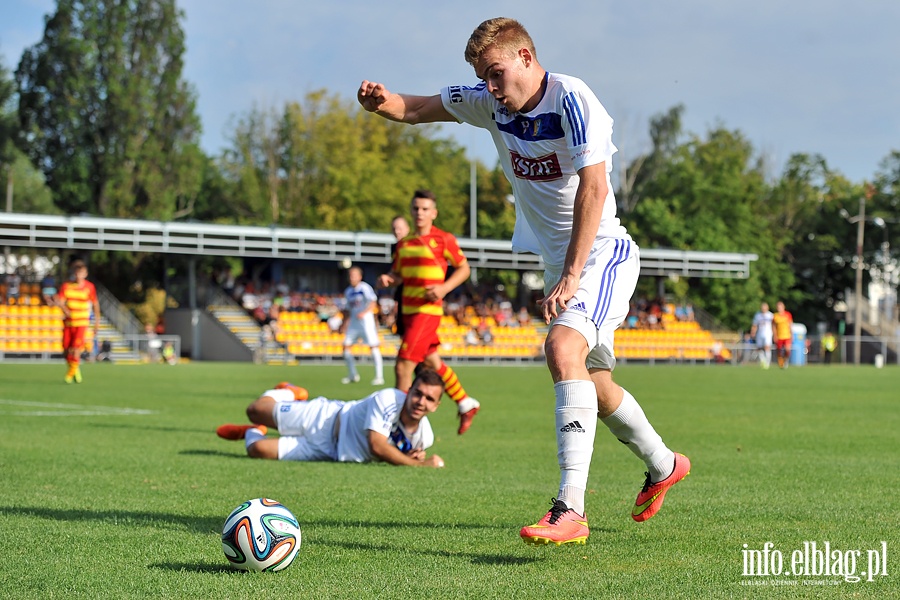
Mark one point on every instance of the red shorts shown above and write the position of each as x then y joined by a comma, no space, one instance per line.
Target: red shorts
73,338
785,343
420,336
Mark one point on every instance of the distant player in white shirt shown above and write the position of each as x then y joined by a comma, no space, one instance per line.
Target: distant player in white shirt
761,331
388,425
359,324
554,140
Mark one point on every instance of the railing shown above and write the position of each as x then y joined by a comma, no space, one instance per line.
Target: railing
116,314
95,233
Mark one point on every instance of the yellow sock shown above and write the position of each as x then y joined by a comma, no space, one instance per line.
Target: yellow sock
452,386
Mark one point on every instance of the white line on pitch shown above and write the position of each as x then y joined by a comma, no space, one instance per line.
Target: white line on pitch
70,409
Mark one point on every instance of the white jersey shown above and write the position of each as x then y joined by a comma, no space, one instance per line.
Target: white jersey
379,412
541,153
763,323
359,299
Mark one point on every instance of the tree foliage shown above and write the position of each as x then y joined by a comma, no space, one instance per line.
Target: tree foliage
104,112
325,163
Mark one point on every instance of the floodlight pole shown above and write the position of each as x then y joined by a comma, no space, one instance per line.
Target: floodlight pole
857,320
473,201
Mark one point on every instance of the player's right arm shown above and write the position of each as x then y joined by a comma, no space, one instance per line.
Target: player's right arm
387,280
376,98
384,450
60,301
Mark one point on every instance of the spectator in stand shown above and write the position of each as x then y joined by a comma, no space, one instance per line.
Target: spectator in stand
227,281
485,333
684,312
48,289
13,287
524,317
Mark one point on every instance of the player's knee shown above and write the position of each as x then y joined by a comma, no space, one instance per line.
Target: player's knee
255,451
560,354
259,412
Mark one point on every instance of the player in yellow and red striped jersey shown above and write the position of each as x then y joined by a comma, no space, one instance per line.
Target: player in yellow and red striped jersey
782,322
76,298
420,263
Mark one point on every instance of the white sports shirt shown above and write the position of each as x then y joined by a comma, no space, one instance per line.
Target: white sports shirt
763,322
379,412
541,153
359,298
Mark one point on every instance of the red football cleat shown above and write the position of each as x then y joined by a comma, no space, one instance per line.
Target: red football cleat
299,392
651,496
237,432
561,525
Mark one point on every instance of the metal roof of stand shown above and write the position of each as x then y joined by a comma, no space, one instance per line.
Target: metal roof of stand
185,238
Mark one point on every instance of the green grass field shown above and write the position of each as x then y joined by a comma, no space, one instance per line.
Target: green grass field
118,488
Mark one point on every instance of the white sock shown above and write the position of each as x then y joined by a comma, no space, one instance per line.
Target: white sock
351,362
379,364
252,436
630,425
765,358
576,426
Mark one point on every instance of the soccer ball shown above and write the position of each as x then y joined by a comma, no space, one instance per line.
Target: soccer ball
261,535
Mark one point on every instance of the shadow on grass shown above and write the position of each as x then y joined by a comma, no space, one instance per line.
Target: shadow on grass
198,568
121,517
152,428
475,558
242,455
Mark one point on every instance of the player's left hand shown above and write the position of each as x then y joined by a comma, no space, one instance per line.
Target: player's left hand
559,295
434,293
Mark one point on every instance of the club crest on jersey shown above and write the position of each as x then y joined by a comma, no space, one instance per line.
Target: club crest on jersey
542,168
534,125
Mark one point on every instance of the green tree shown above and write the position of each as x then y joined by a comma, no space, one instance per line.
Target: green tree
638,175
324,163
105,114
8,126
20,183
496,214
706,195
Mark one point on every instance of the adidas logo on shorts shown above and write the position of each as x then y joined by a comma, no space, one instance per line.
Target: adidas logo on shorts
573,427
579,307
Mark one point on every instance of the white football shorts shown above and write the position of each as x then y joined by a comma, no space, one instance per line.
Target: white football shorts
307,429
362,329
602,301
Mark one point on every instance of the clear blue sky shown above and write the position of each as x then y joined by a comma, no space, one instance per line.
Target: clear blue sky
815,76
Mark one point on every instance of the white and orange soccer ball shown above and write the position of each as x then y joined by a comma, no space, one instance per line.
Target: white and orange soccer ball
261,535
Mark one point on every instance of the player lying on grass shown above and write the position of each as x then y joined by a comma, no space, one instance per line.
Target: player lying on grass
389,425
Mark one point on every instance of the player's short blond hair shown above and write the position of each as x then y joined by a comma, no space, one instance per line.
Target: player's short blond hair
502,32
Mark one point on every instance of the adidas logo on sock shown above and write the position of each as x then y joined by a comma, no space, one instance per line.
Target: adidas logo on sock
573,427
579,306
